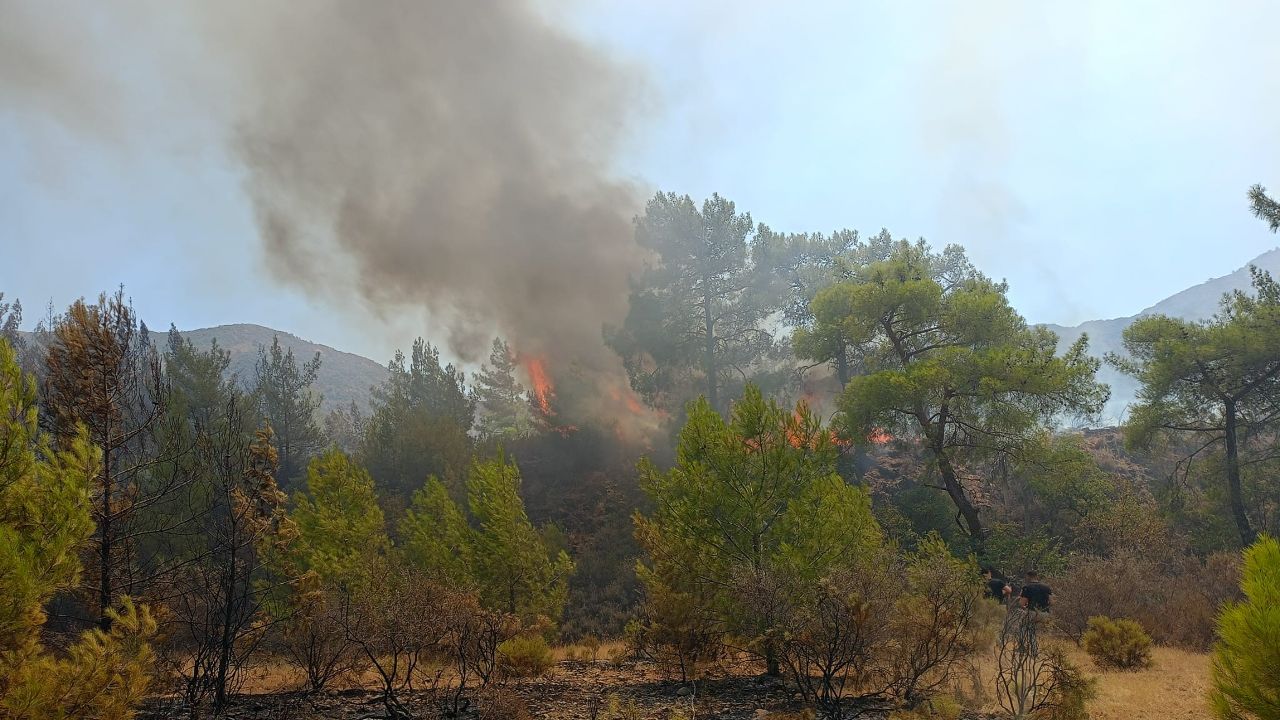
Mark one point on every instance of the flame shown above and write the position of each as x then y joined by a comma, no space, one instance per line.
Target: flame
542,388
626,397
880,437
614,403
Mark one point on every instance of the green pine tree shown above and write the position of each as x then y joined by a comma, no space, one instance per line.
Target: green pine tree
286,400
339,523
1214,380
45,522
501,404
948,361
435,537
1246,662
752,503
516,571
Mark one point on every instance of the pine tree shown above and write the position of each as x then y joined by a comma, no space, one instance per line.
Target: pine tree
219,608
197,379
1246,662
419,427
104,373
501,401
751,503
285,399
694,323
949,362
516,571
45,521
10,319
436,538
339,523
1218,381
1264,207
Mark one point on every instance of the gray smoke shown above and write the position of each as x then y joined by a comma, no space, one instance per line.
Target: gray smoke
451,155
454,156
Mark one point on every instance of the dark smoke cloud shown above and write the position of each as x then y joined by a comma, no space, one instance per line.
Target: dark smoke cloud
452,156
448,155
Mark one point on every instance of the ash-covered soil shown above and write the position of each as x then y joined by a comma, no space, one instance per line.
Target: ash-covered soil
576,690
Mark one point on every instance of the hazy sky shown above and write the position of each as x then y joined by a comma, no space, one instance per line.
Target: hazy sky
1094,154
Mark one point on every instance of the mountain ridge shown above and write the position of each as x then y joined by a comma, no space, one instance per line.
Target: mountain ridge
1196,303
343,377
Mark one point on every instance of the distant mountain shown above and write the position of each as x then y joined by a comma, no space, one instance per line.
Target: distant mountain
1194,303
343,376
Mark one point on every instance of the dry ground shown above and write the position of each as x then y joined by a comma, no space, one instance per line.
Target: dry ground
1174,688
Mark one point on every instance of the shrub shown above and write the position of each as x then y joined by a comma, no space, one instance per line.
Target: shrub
469,646
674,630
525,656
498,703
1121,644
1071,691
617,709
933,624
1177,600
1031,682
936,708
1246,685
395,624
832,635
313,638
591,645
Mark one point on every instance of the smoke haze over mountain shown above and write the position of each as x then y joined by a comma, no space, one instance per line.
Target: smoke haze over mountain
448,157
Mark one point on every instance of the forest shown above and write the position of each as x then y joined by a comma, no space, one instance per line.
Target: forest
782,503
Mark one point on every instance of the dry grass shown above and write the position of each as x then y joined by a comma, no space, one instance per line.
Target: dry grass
1173,688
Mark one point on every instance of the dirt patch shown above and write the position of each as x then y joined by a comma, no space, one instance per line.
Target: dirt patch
570,693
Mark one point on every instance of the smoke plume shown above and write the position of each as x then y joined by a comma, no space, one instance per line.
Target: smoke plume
452,157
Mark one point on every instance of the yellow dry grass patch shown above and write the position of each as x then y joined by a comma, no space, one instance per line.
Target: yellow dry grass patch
1175,687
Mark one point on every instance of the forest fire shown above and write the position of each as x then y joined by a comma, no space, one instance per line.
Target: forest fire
542,390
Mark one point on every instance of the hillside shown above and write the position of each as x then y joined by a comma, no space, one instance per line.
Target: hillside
343,376
1195,303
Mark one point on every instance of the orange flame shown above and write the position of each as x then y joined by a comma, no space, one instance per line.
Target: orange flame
880,437
542,390
628,398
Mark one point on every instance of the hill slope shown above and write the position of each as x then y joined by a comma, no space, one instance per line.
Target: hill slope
1195,303
343,376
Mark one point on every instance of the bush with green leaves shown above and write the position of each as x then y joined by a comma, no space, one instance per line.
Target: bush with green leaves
525,656
1246,662
1120,644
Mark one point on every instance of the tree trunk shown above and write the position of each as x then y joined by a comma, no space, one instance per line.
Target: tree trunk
709,360
771,659
842,366
1236,496
969,512
227,643
104,544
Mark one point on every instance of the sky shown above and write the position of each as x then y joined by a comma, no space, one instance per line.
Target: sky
1096,155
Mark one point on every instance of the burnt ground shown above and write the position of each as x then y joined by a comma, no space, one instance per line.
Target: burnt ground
571,692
